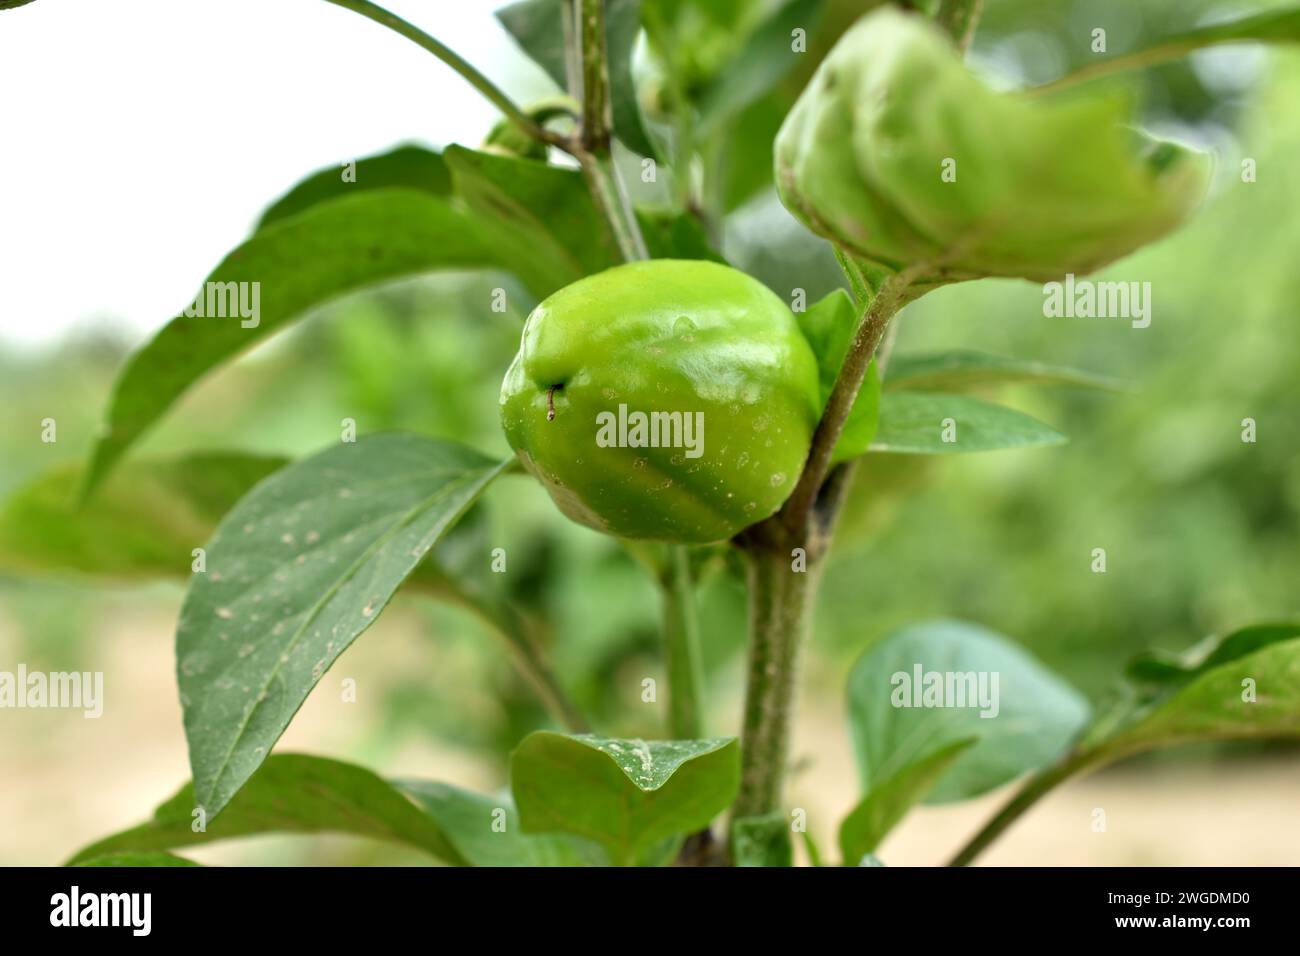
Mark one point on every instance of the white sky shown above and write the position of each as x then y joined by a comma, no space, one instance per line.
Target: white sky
139,139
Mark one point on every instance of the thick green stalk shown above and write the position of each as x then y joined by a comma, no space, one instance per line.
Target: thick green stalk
595,76
586,46
780,603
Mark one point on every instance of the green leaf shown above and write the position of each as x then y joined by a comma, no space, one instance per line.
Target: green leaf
299,263
915,423
626,795
486,831
897,722
829,325
407,167
549,217
762,841
546,212
538,27
673,235
10,4
145,522
290,793
1211,700
1167,670
295,572
138,859
888,801
765,57
960,369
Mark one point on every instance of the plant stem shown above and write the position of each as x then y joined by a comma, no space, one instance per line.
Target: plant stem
780,601
595,76
509,624
889,298
534,665
1034,789
959,18
610,197
592,147
682,648
490,90
1150,56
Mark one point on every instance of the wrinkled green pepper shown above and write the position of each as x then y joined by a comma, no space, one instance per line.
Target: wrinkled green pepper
901,156
668,400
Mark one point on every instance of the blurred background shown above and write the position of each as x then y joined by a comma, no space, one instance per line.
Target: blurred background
140,144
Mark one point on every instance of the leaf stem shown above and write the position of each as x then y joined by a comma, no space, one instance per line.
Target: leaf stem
610,197
490,90
1034,789
509,624
959,18
1116,64
884,305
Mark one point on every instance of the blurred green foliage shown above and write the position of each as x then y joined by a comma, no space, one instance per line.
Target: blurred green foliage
1201,531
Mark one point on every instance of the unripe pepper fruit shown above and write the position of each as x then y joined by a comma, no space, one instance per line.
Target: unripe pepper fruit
690,337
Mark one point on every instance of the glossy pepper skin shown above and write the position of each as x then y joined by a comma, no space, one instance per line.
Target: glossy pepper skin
664,336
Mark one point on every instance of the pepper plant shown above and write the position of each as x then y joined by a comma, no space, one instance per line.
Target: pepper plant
755,408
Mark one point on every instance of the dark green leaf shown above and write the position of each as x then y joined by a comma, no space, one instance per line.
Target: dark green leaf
290,793
961,369
762,841
626,795
1255,695
145,522
897,722
486,832
138,859
672,235
766,56
295,572
538,27
549,216
829,326
408,167
546,212
622,26
10,4
299,263
915,423
1172,670
888,802
747,151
